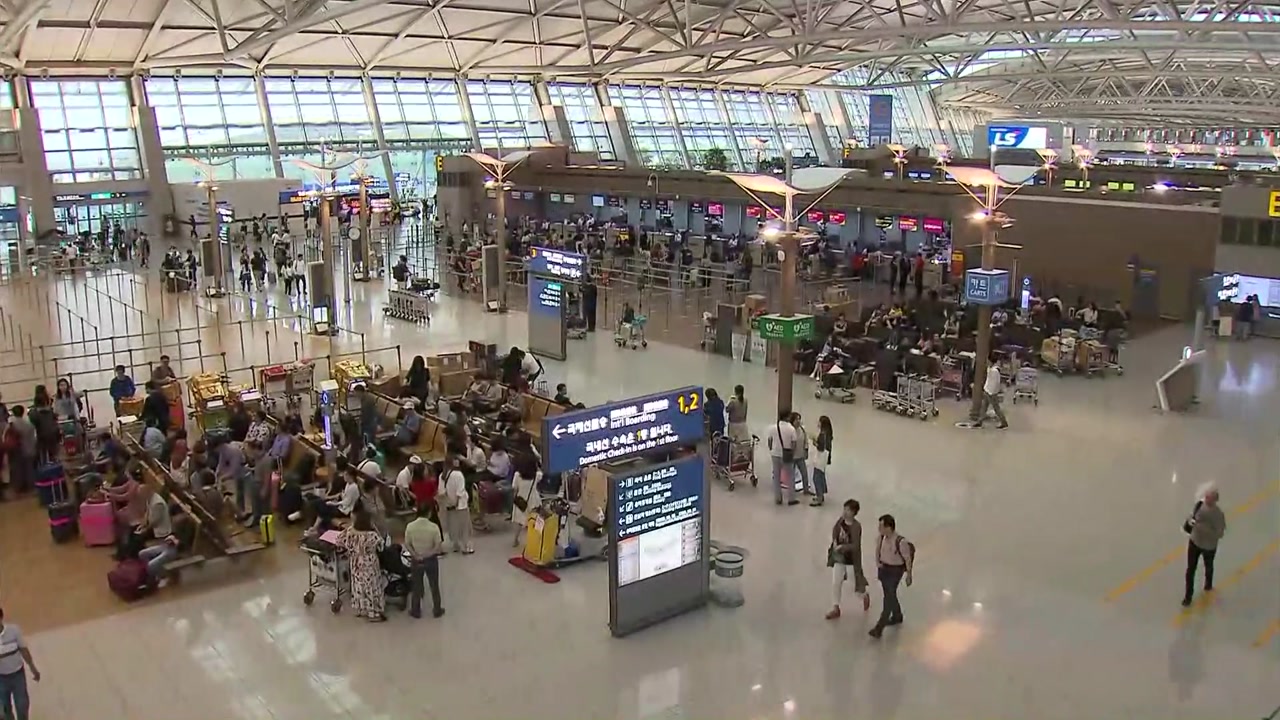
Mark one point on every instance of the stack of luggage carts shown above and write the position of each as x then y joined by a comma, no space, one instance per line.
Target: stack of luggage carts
913,396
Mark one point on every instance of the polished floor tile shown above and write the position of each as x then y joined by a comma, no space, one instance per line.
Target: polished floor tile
1047,583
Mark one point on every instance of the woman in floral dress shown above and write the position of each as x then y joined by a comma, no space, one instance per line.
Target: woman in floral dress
362,544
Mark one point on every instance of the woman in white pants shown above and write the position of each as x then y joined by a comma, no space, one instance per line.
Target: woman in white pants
845,554
457,517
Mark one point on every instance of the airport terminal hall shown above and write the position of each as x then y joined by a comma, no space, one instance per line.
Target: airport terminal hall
628,359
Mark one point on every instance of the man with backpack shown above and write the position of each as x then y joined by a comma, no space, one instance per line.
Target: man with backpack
895,556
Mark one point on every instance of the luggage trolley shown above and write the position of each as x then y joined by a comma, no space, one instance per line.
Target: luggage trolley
732,460
328,569
952,379
1026,385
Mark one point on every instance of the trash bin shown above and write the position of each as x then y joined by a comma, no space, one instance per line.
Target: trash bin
728,565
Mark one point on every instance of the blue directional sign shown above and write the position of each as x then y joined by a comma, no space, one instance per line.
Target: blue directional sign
557,263
657,518
620,430
986,287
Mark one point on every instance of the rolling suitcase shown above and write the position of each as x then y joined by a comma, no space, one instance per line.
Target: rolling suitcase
63,516
129,580
51,484
97,523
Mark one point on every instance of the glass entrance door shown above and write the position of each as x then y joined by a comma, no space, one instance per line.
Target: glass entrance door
77,218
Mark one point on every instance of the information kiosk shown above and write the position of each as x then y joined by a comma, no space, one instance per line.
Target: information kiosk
659,514
552,274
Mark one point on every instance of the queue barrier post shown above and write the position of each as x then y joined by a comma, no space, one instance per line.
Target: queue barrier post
40,372
56,373
268,347
295,351
363,358
200,352
223,354
240,325
399,360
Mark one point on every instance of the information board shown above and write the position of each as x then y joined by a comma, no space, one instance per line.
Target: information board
659,549
1018,136
621,430
547,328
557,263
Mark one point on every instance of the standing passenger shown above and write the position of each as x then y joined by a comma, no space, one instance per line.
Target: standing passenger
782,449
736,411
821,460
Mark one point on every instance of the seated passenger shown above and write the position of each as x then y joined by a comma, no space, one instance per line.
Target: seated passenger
498,466
158,525
840,327
340,501
562,395
628,314
369,466
512,411
1089,316
407,429
153,439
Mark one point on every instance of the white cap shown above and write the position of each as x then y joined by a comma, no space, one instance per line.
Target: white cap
415,460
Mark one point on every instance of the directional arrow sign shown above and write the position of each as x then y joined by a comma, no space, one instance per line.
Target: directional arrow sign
557,432
623,429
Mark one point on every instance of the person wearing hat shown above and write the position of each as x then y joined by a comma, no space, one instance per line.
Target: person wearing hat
419,482
407,428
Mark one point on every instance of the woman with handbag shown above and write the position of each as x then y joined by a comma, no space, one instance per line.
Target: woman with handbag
844,554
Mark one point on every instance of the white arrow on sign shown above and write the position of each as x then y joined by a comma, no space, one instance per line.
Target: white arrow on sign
557,431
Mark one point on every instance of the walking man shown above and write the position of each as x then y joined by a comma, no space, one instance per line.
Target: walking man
894,558
991,390
425,543
15,658
1206,526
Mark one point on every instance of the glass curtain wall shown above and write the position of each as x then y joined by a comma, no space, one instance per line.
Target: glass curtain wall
704,126
310,112
752,126
652,128
87,128
586,126
820,101
210,118
914,121
506,114
789,120
420,118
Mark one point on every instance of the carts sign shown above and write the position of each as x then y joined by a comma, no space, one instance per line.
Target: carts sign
786,329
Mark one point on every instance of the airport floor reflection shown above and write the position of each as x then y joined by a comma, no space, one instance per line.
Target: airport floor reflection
1047,580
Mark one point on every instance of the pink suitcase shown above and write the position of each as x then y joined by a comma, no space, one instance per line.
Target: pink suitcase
97,523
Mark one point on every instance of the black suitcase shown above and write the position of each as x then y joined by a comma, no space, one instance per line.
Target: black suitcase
64,521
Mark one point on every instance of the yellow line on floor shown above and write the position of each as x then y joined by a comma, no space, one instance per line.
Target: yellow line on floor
1205,600
1252,503
1267,633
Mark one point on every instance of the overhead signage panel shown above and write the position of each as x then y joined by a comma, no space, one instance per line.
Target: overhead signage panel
621,430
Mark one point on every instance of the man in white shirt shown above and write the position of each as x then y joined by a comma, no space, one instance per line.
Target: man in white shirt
782,451
425,543
14,659
991,390
457,515
895,556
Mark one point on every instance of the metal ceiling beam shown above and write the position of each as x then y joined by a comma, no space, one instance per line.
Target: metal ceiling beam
933,31
28,16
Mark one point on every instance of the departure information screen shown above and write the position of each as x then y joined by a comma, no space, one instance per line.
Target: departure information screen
658,519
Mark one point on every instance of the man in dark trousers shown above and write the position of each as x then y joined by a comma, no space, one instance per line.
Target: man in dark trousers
894,558
904,269
589,297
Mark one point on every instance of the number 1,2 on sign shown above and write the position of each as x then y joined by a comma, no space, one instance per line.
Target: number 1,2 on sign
689,403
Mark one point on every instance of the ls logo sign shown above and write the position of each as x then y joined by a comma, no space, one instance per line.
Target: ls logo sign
1017,136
